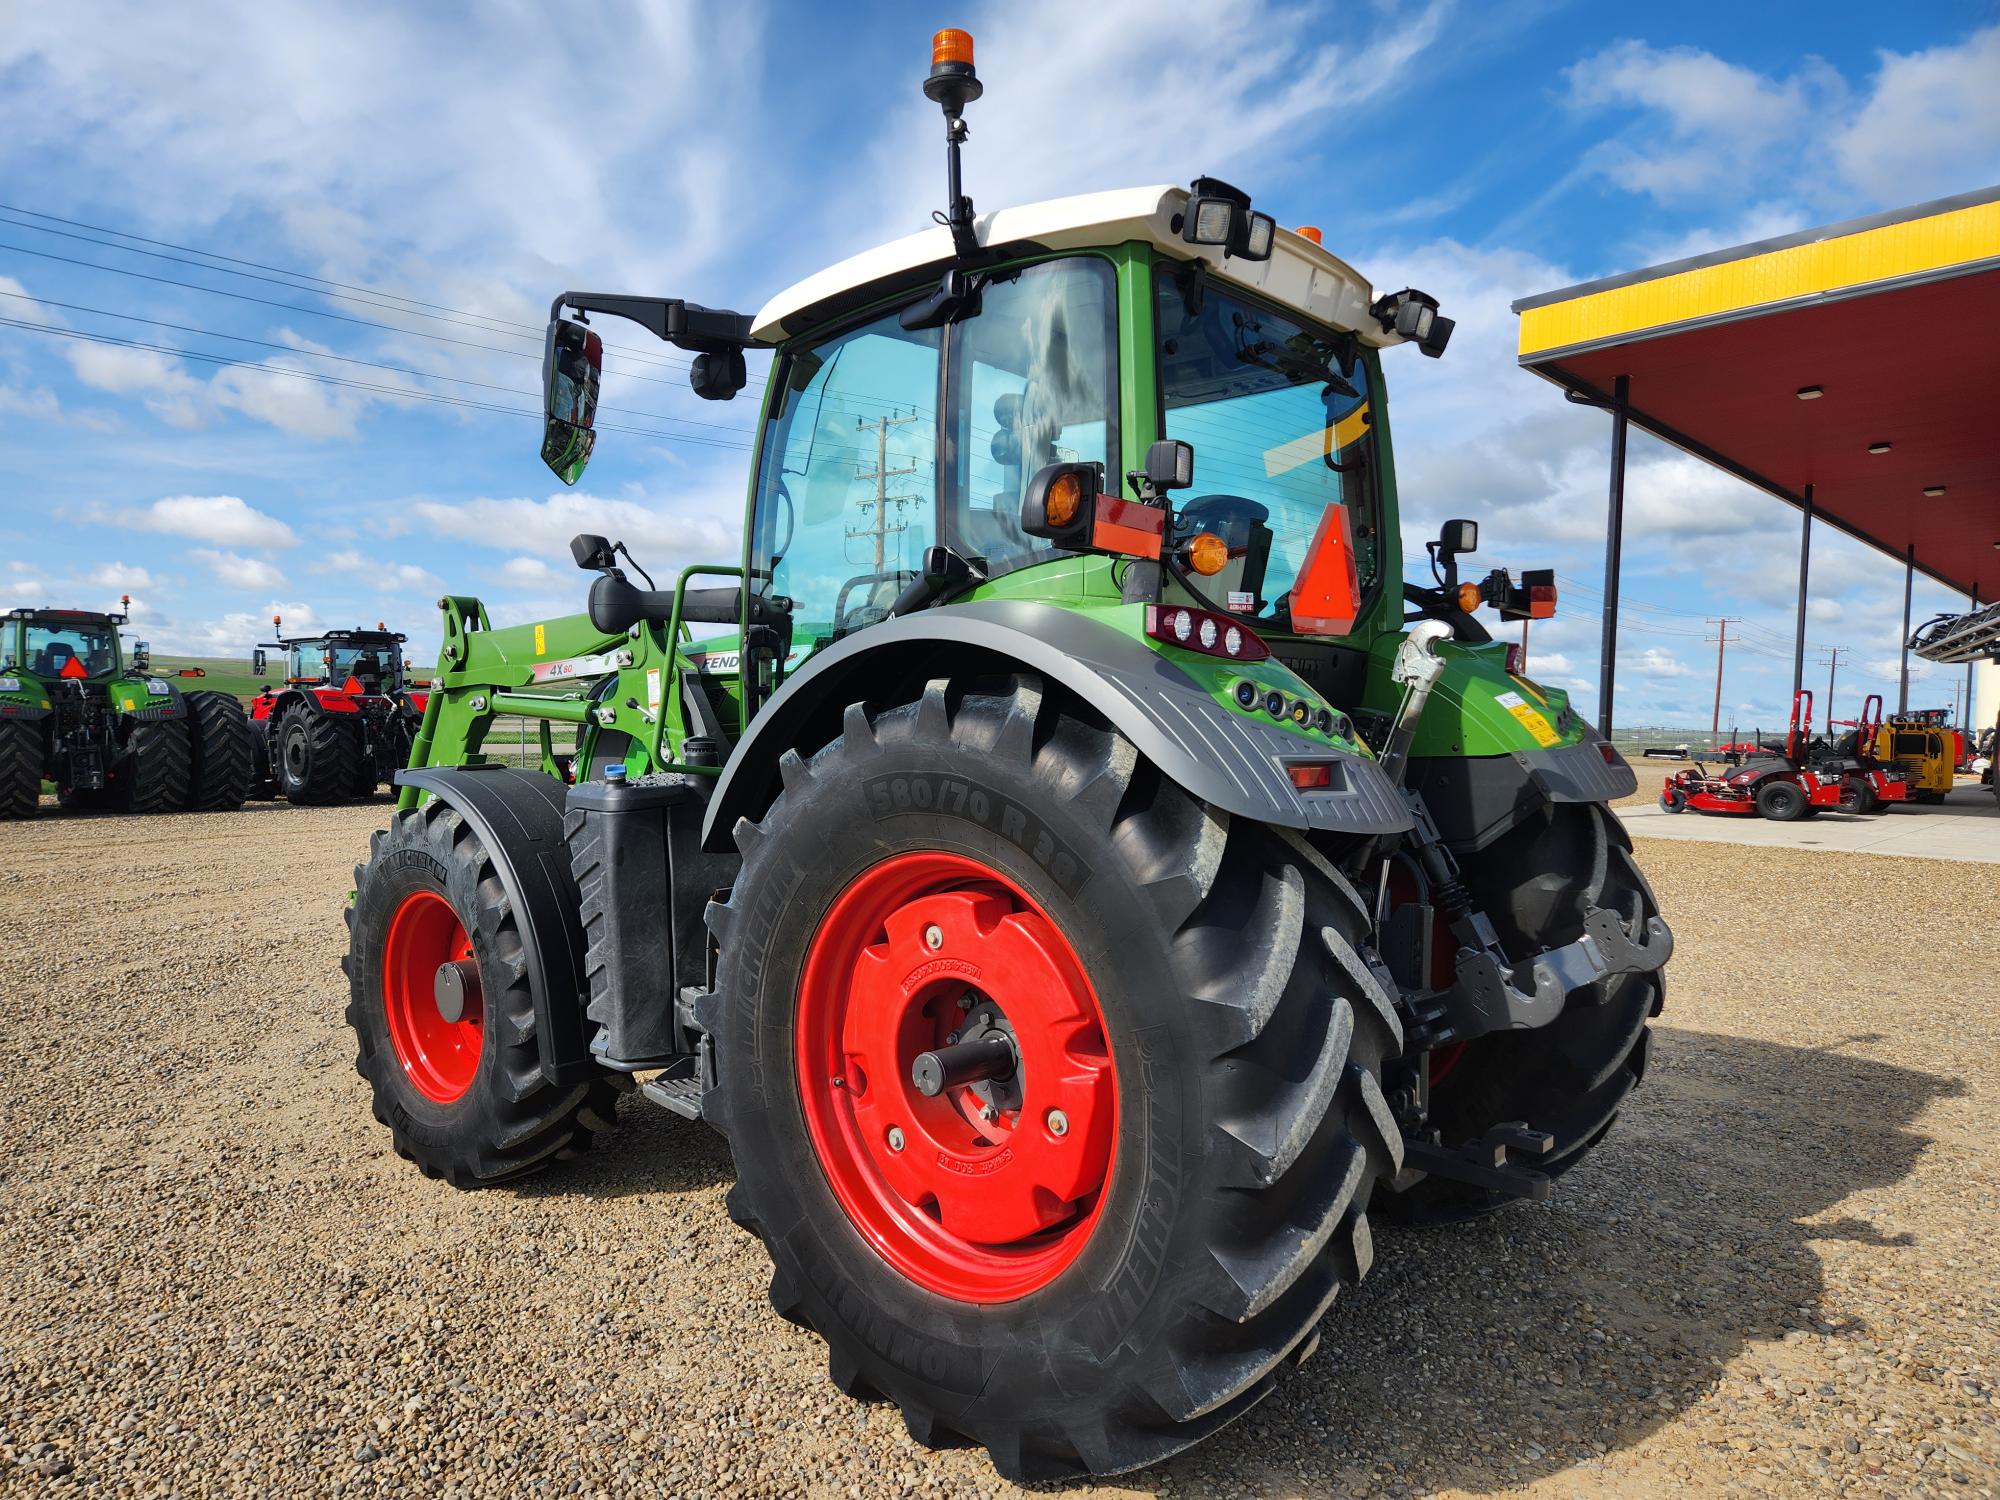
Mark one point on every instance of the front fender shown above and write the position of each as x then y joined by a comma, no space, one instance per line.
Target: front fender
1230,760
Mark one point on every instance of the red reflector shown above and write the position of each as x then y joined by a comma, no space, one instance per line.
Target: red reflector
74,667
352,685
1127,526
1542,601
1327,597
1604,749
1516,660
1311,777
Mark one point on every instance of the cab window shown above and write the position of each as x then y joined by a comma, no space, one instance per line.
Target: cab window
848,483
82,650
1034,382
1280,416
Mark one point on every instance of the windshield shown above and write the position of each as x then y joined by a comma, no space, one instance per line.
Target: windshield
1279,416
856,470
78,650
368,665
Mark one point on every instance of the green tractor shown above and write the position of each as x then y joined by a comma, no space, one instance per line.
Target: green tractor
1087,887
109,734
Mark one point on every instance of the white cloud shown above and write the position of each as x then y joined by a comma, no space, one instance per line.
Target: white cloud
121,576
238,572
686,530
170,393
1654,662
528,571
225,520
1930,127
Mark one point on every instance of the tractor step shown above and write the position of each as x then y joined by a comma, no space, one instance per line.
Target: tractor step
677,1089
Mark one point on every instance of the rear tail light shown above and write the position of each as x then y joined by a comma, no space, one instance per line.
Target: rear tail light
1517,660
1204,631
1313,776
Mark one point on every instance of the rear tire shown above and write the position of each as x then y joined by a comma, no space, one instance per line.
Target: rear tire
152,775
1781,801
318,756
222,751
1571,1077
1242,1038
20,768
464,1099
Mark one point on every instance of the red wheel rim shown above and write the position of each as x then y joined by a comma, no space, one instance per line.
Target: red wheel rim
439,1056
975,1206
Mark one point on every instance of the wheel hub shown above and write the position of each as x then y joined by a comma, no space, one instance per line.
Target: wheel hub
943,1023
431,998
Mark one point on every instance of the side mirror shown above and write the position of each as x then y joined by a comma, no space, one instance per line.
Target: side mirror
592,553
142,656
1061,504
258,663
1458,536
572,366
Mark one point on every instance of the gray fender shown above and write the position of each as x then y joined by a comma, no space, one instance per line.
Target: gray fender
1474,799
1232,760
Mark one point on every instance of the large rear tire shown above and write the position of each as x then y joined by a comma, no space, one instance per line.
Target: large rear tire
221,752
1086,1293
1569,1078
20,768
152,775
318,756
462,1093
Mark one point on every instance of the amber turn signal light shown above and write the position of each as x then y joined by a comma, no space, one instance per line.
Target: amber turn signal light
1468,597
1205,553
1064,497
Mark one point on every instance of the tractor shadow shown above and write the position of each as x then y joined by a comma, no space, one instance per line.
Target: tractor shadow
652,1151
1488,1354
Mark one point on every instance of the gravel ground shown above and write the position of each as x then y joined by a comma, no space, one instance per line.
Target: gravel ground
1779,1275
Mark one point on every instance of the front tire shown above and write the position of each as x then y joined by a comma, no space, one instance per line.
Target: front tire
1571,1077
1090,1294
153,774
318,756
222,750
20,768
459,1084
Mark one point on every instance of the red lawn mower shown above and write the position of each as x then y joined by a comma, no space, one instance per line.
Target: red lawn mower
1799,782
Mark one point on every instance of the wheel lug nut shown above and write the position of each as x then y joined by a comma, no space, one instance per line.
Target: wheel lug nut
1058,1122
895,1138
934,937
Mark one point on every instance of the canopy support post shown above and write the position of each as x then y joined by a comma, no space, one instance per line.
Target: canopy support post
1805,569
1903,676
1614,531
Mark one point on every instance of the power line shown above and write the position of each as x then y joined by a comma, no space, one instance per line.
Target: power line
342,358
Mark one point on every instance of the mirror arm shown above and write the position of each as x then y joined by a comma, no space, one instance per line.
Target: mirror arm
685,325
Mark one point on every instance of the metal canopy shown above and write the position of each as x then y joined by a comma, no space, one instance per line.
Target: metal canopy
1784,362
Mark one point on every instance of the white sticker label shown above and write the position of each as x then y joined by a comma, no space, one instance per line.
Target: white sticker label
653,689
1510,700
1241,600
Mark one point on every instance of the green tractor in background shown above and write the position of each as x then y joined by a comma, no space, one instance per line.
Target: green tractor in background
1083,882
108,733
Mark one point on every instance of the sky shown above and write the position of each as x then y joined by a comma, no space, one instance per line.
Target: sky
313,247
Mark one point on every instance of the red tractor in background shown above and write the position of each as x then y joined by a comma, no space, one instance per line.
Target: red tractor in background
342,723
1803,780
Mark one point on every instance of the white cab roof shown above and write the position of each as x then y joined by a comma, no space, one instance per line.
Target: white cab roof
1299,273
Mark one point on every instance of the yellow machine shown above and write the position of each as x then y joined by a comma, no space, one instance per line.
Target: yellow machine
1923,749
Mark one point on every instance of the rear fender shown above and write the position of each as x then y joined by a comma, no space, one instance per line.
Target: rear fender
518,816
1232,761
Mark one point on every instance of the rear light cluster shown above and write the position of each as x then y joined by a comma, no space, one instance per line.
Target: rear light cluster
1204,631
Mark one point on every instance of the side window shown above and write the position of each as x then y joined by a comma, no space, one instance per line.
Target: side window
847,491
1035,382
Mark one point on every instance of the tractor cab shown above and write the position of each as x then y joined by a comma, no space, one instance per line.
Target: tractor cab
357,662
63,645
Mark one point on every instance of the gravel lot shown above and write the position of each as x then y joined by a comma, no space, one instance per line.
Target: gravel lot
1780,1275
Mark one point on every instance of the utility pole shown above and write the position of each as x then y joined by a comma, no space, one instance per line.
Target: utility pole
878,530
1721,639
1831,661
